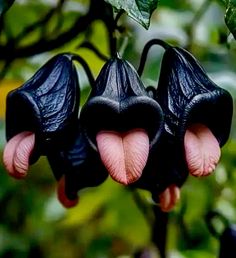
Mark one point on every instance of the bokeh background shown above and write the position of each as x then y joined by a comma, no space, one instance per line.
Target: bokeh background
111,221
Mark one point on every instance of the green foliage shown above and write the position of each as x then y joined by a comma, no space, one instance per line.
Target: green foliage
139,10
230,17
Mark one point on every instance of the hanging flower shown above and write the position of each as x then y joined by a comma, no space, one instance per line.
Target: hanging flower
197,121
76,168
41,114
121,121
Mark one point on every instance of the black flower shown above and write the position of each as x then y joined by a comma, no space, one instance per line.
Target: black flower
79,164
120,106
191,103
187,95
47,105
119,101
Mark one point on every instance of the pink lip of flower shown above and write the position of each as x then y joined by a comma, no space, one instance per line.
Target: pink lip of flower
198,113
198,116
128,128
118,106
187,95
45,105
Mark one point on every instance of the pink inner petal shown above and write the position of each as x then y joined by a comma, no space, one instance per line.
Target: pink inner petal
10,149
124,155
202,150
165,199
22,154
169,198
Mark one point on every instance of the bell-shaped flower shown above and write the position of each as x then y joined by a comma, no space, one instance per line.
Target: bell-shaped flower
197,121
41,114
121,121
187,96
198,113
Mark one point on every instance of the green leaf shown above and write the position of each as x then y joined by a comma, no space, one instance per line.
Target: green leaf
230,17
139,10
5,5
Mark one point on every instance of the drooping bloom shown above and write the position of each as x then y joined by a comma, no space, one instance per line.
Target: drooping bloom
78,166
187,96
46,107
197,121
121,120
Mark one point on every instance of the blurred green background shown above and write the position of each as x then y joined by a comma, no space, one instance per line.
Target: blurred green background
108,222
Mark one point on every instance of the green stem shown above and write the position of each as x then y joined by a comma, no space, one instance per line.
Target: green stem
85,67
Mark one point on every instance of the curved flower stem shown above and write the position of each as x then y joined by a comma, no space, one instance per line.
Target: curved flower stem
85,67
119,14
146,49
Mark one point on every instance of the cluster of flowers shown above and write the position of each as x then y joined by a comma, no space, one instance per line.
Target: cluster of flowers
48,106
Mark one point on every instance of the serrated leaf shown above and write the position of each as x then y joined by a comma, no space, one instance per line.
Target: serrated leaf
139,10
230,17
5,5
